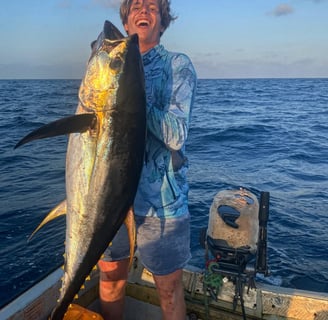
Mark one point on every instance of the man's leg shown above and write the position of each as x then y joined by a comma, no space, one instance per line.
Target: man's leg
113,279
171,293
164,246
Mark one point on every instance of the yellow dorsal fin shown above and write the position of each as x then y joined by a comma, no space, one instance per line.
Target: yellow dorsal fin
131,227
54,213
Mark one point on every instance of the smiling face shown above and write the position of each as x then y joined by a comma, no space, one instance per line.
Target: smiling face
144,18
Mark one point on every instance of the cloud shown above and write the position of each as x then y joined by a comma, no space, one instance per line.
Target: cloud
282,10
107,3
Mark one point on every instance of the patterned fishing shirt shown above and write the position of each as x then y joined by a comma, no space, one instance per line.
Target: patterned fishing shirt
170,89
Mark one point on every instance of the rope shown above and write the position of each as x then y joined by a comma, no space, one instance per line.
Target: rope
212,281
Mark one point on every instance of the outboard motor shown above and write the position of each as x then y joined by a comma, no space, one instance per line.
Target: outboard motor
236,237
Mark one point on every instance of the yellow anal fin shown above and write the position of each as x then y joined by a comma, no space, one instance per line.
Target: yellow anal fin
59,210
131,227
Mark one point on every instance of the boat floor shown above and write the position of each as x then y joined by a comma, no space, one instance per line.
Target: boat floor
134,310
265,302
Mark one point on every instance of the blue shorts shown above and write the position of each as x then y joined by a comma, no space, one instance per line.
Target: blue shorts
164,244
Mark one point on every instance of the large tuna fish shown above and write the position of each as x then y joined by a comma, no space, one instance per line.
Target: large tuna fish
104,155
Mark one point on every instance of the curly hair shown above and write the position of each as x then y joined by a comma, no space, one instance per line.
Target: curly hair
164,7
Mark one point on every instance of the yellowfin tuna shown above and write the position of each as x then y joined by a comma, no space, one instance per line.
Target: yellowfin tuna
104,155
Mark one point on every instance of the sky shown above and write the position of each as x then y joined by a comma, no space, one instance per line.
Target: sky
50,39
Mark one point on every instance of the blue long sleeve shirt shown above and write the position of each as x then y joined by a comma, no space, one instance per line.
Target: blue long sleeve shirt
170,81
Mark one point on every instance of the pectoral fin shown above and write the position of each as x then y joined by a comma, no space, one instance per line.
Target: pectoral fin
131,227
54,213
72,124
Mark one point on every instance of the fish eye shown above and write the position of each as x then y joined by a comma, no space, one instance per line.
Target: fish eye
115,63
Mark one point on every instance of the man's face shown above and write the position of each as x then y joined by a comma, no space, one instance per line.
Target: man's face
144,19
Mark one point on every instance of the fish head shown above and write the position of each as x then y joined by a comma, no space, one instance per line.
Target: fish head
114,66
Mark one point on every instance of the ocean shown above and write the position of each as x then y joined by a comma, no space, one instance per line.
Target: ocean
260,134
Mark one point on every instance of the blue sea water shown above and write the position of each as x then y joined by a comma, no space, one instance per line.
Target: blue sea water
261,134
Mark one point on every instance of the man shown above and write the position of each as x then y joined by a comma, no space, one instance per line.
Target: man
161,203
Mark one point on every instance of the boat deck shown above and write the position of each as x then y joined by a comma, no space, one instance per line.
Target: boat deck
265,302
